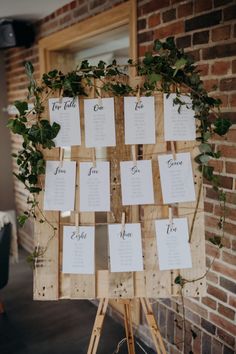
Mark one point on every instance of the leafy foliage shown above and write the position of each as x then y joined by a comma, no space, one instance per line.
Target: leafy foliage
167,69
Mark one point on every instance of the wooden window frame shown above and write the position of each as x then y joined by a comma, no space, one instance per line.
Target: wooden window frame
120,15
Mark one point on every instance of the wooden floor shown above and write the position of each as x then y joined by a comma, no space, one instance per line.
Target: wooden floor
61,327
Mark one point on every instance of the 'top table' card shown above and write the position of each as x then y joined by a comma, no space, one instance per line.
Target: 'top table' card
65,112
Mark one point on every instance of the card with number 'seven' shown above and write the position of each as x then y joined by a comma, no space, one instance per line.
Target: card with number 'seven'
94,185
65,112
172,244
179,125
99,121
136,182
125,248
60,185
176,178
78,250
139,120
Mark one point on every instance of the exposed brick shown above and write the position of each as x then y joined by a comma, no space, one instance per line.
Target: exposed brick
200,6
154,20
207,20
227,151
217,164
226,311
73,5
225,337
217,293
193,317
212,250
162,319
220,33
96,3
219,51
170,30
153,5
232,301
145,36
141,24
195,307
170,326
218,3
232,100
228,84
209,327
203,68
169,15
220,67
226,256
228,350
234,66
208,207
230,115
230,167
183,42
230,214
230,13
206,343
223,268
223,323
216,346
185,10
229,228
211,85
195,54
212,277
201,37
208,301
228,285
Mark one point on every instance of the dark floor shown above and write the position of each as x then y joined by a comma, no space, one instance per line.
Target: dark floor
61,327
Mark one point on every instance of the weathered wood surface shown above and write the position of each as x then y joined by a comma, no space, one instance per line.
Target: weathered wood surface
51,284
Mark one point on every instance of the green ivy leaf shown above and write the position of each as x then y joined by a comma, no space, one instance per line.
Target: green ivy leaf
179,64
154,78
216,240
22,219
222,126
204,158
21,106
204,148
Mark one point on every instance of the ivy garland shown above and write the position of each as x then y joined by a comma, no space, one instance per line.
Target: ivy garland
167,69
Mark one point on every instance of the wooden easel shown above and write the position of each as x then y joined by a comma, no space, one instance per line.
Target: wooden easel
147,309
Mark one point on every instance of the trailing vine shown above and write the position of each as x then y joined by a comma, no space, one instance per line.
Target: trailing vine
167,69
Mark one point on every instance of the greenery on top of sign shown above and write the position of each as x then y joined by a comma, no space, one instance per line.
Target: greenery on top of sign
167,70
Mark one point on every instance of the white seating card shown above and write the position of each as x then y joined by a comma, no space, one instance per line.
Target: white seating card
139,120
176,178
178,126
65,112
60,185
78,250
94,186
172,244
99,121
125,248
136,182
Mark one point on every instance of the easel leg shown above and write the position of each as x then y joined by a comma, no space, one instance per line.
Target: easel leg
128,327
97,327
156,335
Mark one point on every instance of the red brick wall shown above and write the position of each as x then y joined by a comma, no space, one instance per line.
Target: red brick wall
207,29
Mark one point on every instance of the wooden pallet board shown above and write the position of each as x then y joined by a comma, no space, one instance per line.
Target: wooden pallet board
52,284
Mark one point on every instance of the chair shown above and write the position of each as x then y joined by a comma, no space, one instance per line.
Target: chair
5,242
